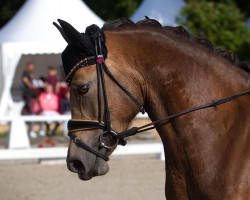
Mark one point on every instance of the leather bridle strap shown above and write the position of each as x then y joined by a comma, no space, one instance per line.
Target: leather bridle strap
80,124
78,141
101,83
166,120
141,108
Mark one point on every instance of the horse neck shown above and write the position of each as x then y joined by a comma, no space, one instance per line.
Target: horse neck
179,75
173,74
176,75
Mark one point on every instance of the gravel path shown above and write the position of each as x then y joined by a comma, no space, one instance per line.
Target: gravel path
128,179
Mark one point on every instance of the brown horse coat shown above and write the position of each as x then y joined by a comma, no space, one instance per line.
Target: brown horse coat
207,151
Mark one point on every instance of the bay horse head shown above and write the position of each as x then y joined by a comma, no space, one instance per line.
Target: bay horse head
117,71
96,101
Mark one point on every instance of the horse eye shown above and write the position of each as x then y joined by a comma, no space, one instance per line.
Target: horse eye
83,89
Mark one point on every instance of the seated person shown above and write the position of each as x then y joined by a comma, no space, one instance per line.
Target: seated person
33,107
53,79
49,105
27,81
65,108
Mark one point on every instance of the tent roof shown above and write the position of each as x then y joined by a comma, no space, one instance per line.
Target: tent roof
165,11
31,31
33,22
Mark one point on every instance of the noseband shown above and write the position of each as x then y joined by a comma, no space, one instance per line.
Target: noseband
109,139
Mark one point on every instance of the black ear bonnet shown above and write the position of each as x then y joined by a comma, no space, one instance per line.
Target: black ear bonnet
80,46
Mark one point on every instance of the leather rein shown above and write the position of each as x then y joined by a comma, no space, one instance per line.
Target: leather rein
109,138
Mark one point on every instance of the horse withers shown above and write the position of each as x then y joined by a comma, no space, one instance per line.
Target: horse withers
125,68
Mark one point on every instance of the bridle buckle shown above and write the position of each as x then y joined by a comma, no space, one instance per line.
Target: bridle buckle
76,138
108,139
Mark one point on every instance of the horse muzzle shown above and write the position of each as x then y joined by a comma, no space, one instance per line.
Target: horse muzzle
85,163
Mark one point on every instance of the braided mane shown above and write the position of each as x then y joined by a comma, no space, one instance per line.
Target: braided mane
181,32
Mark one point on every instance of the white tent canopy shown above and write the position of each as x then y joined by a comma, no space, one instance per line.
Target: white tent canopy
31,31
165,11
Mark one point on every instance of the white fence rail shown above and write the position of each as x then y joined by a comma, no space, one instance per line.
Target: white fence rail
18,142
17,136
61,152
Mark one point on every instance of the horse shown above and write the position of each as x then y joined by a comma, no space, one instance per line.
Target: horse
164,71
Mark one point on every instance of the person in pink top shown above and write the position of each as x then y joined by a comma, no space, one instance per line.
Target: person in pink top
49,104
48,99
32,107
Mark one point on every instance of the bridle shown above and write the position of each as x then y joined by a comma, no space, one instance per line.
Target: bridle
109,139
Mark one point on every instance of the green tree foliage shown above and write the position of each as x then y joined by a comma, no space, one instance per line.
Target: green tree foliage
112,9
8,9
221,22
243,5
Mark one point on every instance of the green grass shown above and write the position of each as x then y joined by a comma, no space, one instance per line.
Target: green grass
3,135
61,133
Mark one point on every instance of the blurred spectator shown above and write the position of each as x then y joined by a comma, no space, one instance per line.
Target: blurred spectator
65,109
27,79
33,107
49,105
61,93
53,79
65,103
38,83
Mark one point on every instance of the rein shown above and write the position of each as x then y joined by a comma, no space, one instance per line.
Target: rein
166,120
109,138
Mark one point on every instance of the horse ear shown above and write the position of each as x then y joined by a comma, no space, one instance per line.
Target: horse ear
61,31
77,39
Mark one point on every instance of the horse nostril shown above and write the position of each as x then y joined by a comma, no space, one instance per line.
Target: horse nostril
76,166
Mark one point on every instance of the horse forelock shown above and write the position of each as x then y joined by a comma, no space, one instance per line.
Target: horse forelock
179,32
